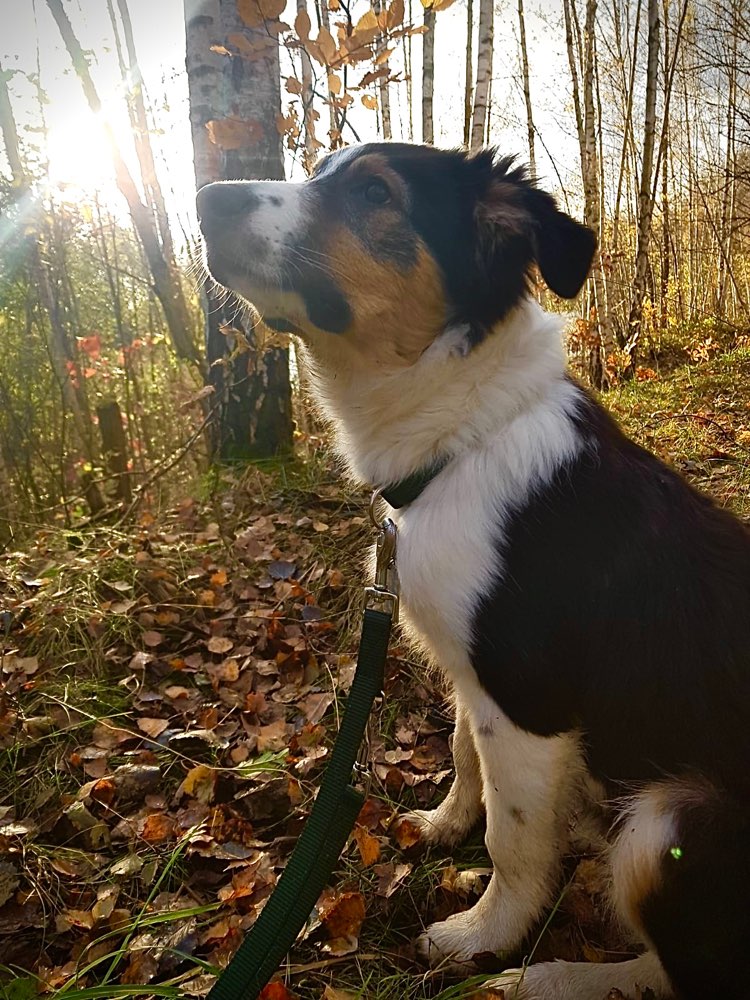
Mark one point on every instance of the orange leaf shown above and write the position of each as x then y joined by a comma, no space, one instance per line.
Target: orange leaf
255,12
275,991
367,845
302,25
157,828
407,834
234,133
344,916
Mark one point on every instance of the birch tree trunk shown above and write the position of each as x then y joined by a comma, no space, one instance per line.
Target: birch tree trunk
645,195
165,278
428,75
480,113
308,111
384,94
252,388
468,71
526,87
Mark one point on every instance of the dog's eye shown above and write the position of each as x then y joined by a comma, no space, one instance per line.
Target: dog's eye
376,192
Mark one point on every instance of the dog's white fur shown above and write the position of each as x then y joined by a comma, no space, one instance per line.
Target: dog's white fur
503,416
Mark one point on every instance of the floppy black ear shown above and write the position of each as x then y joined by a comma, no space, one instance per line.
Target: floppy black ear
564,248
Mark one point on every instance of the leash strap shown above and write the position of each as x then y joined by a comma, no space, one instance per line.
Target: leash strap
323,838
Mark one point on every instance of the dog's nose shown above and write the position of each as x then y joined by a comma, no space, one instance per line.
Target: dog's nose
225,200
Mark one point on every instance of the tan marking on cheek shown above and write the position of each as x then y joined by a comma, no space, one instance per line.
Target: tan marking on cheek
397,312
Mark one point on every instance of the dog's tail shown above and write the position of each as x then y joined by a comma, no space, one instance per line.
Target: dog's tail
681,876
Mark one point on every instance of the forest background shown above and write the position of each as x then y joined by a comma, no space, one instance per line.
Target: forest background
177,555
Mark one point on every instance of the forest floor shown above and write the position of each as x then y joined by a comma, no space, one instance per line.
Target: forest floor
170,693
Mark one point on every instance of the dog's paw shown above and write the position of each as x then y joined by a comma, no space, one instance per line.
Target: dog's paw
513,984
435,826
451,944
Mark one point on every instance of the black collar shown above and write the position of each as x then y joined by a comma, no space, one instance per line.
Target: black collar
407,490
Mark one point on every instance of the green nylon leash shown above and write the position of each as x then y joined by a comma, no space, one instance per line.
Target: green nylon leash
334,812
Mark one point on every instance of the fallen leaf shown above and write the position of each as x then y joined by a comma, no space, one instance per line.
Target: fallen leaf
343,916
152,727
367,845
407,834
219,644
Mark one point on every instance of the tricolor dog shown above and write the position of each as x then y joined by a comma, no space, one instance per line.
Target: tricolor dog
589,608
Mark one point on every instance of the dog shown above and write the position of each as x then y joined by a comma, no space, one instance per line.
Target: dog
590,609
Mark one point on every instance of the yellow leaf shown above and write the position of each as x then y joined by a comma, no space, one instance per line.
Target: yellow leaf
367,21
199,783
367,845
370,102
255,12
326,44
334,84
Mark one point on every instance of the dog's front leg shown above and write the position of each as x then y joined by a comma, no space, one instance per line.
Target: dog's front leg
528,785
462,807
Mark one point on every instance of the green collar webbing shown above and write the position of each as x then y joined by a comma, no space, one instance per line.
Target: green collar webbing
323,838
407,490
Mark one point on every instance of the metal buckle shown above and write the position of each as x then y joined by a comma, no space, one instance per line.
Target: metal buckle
383,594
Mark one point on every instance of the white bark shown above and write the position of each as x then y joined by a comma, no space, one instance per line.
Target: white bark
480,114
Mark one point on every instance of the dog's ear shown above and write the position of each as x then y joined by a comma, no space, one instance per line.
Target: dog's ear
513,213
564,248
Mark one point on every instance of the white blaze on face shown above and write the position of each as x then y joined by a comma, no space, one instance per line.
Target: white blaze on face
276,222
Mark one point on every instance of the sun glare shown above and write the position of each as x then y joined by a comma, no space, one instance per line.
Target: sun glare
79,155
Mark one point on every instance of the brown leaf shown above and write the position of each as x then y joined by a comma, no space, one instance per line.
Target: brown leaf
152,639
255,12
157,828
407,834
390,876
327,45
219,644
343,916
302,25
293,85
234,133
152,727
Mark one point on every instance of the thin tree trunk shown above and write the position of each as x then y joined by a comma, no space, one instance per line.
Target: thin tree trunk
62,355
324,20
469,71
115,447
428,75
142,136
308,111
381,44
480,112
527,87
166,282
406,42
645,197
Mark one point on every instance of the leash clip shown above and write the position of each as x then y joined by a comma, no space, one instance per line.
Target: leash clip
383,594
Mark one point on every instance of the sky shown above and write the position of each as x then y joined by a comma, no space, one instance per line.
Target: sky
77,153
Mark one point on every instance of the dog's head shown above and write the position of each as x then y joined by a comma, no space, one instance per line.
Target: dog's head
387,245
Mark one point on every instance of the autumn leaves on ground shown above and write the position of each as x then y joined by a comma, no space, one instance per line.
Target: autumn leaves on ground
171,690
